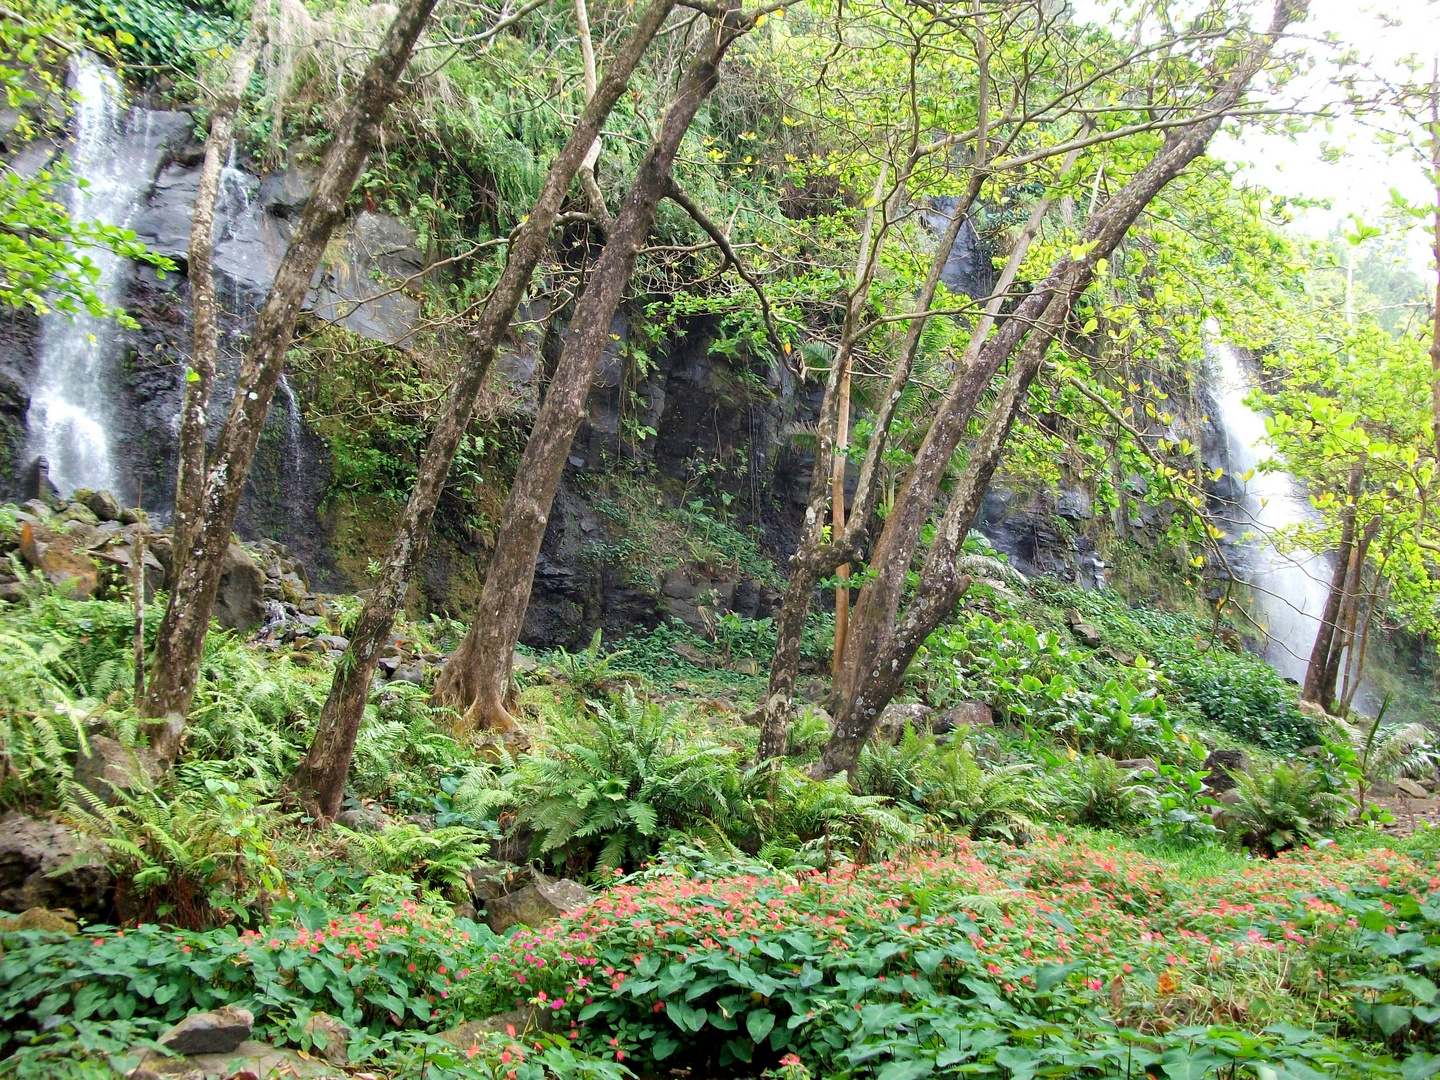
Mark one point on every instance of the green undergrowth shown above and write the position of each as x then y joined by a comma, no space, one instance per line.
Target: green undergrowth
1004,901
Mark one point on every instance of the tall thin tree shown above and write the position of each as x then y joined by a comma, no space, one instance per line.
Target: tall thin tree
476,678
320,780
175,665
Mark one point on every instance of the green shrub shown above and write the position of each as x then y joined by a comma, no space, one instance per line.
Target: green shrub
1284,806
395,967
609,786
189,857
1093,790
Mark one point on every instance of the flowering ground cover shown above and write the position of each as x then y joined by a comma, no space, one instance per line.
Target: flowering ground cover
1062,958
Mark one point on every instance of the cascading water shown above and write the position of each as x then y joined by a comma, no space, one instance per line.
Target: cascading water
70,401
1288,589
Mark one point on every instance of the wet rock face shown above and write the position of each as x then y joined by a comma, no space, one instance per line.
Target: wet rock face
47,865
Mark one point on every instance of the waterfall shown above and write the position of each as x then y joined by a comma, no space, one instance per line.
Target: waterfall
70,402
1288,589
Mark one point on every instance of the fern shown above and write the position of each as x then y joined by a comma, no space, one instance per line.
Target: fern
614,786
442,858
191,857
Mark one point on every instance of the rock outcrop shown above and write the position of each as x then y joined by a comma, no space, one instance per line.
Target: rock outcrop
45,865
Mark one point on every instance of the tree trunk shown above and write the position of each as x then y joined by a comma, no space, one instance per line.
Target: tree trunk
1435,250
320,779
812,559
941,586
200,375
878,602
181,637
885,654
1313,688
476,678
1349,613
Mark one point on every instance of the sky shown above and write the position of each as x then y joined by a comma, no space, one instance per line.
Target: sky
1380,33
1360,182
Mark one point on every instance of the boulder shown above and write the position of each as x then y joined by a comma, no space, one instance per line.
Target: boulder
47,865
970,714
240,602
216,1032
892,723
43,919
536,904
108,766
1223,766
363,819
1410,789
1087,635
254,1059
331,1037
1073,617
1142,765
521,664
103,505
492,880
49,553
522,1021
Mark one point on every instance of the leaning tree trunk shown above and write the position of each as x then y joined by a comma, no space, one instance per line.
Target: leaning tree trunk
320,779
1349,613
200,373
941,583
476,678
881,668
175,666
1314,686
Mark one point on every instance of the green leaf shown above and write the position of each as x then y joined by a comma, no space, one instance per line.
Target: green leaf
759,1022
1391,1018
907,1070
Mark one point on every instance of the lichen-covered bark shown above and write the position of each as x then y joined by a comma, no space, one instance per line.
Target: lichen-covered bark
320,780
175,664
476,678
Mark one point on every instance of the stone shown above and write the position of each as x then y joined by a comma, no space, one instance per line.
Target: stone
363,819
79,513
970,714
388,666
258,1060
133,515
240,602
333,642
411,673
521,664
217,1032
45,865
896,716
1223,766
103,505
1073,617
1087,634
43,919
472,1032
331,1037
1229,797
536,904
494,879
49,553
1143,765
1410,789
1314,711
465,910
108,766
1312,751
693,654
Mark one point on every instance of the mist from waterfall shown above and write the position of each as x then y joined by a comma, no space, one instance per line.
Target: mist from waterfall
1288,589
71,398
